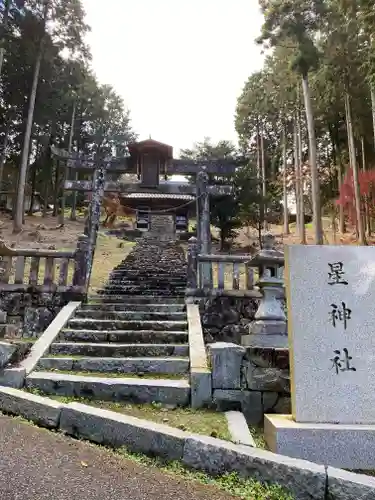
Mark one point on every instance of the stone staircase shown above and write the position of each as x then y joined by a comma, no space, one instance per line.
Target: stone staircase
129,342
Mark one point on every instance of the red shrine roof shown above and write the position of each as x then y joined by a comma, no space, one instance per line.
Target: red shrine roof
150,144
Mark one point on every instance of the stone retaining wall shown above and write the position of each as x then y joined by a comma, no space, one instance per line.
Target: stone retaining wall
28,314
254,380
226,319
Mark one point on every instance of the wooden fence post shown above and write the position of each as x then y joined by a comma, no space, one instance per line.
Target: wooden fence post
81,262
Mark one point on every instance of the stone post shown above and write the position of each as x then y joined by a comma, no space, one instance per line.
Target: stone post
81,261
269,328
93,222
205,228
192,264
198,212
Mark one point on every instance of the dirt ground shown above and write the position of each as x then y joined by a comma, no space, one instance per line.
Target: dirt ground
45,233
246,237
41,232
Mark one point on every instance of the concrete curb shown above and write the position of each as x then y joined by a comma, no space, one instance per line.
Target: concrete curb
308,481
15,377
238,429
200,374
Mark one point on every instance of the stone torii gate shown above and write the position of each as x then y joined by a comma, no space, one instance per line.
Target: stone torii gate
148,159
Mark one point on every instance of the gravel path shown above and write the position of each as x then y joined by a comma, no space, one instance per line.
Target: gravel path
36,464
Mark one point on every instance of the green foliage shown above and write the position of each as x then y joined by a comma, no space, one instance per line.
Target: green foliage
224,209
66,80
331,42
206,150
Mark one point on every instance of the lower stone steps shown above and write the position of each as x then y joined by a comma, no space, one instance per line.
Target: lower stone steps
124,336
119,350
107,324
141,308
130,341
130,315
175,392
170,365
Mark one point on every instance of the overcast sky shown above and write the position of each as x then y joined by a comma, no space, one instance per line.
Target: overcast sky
179,64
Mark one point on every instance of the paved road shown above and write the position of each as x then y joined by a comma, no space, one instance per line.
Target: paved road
36,464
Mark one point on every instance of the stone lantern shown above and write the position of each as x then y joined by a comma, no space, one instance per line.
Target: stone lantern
269,328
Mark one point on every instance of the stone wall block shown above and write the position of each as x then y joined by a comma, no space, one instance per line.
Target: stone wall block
266,379
226,359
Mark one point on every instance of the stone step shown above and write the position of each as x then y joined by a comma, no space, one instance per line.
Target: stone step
164,292
147,273
132,315
171,365
108,324
111,389
136,299
179,275
141,308
125,282
119,350
124,336
143,289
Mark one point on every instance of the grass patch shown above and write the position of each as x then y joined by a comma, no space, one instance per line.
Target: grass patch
201,421
247,489
110,251
22,340
258,434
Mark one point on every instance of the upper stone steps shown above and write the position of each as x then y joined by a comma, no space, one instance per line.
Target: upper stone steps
139,290
165,289
108,324
150,284
135,299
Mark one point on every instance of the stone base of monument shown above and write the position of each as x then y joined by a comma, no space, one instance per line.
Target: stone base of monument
336,445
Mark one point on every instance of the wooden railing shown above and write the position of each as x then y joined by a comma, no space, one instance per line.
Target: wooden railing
228,272
219,274
43,270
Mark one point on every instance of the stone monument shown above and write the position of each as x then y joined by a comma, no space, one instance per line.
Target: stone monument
331,327
269,328
163,226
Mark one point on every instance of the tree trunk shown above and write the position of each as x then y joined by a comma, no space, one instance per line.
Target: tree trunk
73,215
45,196
354,166
342,227
18,219
56,190
32,194
7,4
302,228
315,188
297,179
367,200
372,90
285,187
264,184
3,155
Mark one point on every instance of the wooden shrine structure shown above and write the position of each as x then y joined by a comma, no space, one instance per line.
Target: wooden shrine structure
152,196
